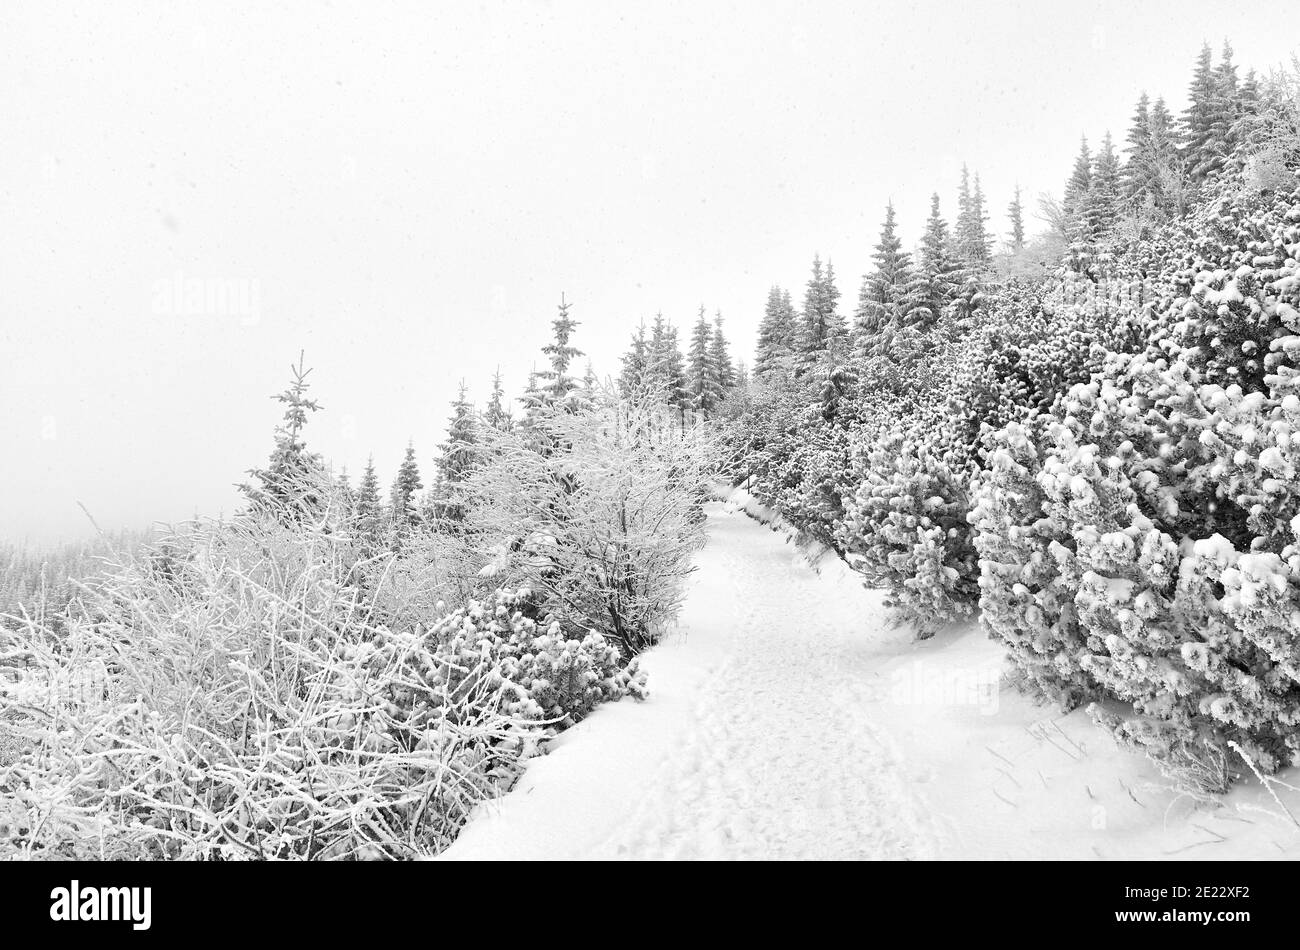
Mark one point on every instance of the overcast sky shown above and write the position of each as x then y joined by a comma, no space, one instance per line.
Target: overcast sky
404,190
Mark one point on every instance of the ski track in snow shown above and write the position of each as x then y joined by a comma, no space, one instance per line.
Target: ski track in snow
781,760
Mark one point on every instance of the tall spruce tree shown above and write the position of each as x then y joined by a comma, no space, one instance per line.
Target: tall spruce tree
822,324
402,498
778,332
701,373
497,415
1016,215
981,241
1100,208
369,514
456,457
561,354
721,354
1076,193
1137,148
287,486
1164,163
972,237
889,292
1200,118
965,207
667,367
940,272
1224,113
636,364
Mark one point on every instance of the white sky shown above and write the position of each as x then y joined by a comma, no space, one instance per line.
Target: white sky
407,188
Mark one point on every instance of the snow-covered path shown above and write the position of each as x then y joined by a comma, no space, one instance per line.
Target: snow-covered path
788,719
781,759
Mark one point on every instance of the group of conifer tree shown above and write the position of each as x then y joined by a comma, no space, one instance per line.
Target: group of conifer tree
1167,160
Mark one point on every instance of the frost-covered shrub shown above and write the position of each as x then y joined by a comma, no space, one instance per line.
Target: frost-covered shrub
262,688
596,510
1139,543
1166,504
1027,572
807,486
564,678
432,568
243,704
1030,345
904,527
1239,292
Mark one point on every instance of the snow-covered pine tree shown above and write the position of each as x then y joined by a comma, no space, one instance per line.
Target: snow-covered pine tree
778,332
497,415
402,498
832,297
636,365
964,209
1224,112
1202,152
457,457
667,367
1100,207
1168,191
721,354
368,513
1134,175
889,292
1076,194
561,353
1016,214
589,384
535,395
347,494
822,324
289,485
940,272
981,241
971,237
701,373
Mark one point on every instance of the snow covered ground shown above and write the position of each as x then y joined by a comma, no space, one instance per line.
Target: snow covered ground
788,719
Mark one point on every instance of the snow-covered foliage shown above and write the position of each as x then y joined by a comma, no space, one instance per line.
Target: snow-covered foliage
563,678
1025,598
1144,549
596,508
904,528
1099,458
254,688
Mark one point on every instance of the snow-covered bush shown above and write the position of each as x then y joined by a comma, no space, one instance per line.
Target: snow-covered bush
808,481
1139,543
595,508
563,678
1029,345
431,569
1166,508
240,691
1239,291
904,527
242,705
1027,568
